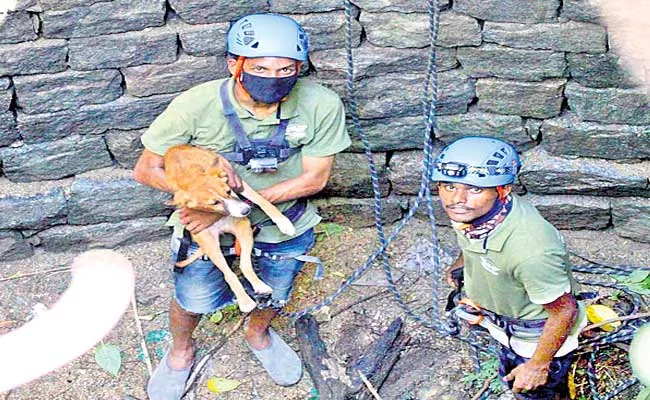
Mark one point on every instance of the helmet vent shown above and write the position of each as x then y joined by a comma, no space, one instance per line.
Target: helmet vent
492,162
298,48
498,155
255,45
247,40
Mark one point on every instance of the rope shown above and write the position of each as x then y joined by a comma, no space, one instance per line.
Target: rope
476,339
430,94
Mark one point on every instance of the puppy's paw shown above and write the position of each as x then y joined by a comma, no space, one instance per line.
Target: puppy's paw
262,288
246,305
285,226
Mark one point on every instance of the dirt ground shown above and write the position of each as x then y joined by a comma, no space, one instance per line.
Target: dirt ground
430,368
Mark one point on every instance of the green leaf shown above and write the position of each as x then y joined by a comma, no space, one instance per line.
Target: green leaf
109,358
638,276
621,278
638,288
644,394
216,317
221,385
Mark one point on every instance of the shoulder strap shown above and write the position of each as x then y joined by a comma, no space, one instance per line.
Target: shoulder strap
233,119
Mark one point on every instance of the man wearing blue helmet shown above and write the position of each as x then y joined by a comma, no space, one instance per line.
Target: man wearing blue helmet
280,134
515,265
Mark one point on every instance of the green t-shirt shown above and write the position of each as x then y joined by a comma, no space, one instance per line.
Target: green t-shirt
522,265
316,123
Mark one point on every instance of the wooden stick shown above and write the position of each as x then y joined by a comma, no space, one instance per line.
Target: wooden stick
486,385
199,366
143,343
47,271
625,318
369,386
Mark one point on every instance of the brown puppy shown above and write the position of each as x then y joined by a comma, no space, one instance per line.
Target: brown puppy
199,182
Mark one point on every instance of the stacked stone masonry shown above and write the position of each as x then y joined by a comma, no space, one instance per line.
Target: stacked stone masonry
80,81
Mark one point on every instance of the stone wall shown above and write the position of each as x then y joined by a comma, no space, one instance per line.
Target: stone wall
80,80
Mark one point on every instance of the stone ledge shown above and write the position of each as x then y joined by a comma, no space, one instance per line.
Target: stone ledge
570,136
106,235
575,37
149,46
529,99
573,212
543,173
103,18
609,105
510,10
372,61
631,218
36,57
351,176
357,213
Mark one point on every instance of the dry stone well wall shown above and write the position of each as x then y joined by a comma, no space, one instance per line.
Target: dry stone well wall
80,80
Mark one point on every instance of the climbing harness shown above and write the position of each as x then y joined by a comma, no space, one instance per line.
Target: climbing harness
259,155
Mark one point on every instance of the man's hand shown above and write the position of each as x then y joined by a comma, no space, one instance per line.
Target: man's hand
449,275
195,221
234,180
528,376
456,265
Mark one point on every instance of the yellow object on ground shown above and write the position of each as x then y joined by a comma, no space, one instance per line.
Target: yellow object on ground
598,313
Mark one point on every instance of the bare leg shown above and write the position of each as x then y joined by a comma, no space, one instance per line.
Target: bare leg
181,325
257,334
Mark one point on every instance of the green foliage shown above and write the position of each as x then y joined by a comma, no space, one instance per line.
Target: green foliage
489,370
327,230
109,358
638,281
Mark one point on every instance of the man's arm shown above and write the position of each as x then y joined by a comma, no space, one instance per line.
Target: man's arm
150,171
562,314
315,174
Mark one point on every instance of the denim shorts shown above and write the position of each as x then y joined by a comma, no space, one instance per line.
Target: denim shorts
201,287
558,374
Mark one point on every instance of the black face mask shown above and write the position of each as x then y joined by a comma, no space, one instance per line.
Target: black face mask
268,90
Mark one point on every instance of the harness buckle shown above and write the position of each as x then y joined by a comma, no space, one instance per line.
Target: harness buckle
259,165
473,309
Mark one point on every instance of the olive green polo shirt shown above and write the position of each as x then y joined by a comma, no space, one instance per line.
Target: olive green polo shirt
316,123
520,266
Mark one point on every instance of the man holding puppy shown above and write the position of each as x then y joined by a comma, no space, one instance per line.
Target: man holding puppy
281,134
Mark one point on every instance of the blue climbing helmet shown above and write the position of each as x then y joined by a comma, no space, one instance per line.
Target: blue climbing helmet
268,35
477,161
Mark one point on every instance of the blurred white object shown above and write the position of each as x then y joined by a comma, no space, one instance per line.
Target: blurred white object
100,291
6,5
